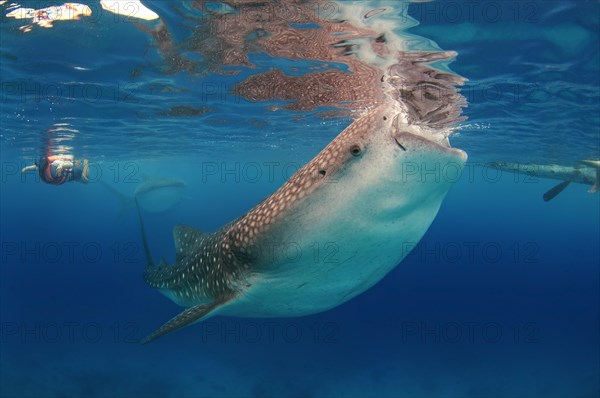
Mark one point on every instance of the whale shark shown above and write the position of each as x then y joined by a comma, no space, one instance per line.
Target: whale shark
336,227
154,195
588,172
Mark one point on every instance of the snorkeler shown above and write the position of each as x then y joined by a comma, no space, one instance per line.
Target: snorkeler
58,169
589,175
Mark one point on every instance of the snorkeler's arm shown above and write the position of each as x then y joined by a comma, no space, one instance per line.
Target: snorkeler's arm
29,168
86,171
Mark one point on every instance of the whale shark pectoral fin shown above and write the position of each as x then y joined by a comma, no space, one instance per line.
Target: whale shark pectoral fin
186,239
187,317
555,190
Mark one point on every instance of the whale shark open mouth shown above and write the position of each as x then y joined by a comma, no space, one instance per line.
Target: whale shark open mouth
411,142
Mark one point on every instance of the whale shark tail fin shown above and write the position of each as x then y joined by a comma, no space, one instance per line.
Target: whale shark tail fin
554,191
147,252
189,316
125,202
594,164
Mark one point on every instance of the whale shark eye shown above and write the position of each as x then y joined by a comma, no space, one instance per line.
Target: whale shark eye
355,150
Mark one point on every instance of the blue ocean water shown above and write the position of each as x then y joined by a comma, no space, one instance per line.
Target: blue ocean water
501,298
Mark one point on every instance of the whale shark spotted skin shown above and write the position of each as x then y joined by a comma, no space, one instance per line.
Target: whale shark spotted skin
333,230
